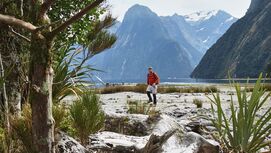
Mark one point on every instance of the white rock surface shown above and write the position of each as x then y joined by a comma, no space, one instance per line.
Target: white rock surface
67,144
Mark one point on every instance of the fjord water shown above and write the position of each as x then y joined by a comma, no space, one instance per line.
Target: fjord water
179,81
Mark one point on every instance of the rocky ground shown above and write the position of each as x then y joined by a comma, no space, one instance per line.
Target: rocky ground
125,132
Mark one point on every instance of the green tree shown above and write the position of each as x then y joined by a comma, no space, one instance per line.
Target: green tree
43,31
71,68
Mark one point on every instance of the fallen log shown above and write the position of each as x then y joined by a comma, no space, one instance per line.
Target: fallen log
117,143
155,143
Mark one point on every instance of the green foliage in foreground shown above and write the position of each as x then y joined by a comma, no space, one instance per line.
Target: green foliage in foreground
246,129
71,63
2,139
82,118
22,130
87,116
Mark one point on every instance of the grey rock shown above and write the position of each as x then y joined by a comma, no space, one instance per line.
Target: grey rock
66,144
202,145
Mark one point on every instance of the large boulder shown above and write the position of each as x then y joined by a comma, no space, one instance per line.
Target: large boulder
130,124
163,136
201,145
66,144
110,142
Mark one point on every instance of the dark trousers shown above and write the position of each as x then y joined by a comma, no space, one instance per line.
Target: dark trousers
150,98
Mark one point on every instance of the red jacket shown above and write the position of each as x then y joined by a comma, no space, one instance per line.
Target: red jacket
153,78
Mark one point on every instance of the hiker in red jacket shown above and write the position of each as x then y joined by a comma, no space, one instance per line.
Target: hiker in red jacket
152,81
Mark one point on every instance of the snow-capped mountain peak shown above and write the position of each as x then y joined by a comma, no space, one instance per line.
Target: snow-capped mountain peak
200,16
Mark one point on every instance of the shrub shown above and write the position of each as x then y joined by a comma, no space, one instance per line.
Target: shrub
245,130
207,89
87,116
59,114
67,81
2,140
211,89
265,86
139,107
141,88
62,117
170,89
22,129
198,103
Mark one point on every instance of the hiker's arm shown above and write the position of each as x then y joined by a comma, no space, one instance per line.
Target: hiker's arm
157,79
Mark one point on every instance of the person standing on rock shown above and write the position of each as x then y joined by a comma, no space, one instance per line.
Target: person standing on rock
152,81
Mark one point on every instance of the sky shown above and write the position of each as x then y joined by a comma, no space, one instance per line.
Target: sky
237,8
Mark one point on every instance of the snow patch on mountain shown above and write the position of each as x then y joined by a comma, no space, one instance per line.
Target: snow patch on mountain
230,19
200,16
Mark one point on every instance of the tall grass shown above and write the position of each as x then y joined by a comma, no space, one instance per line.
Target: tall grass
141,88
22,129
246,129
265,86
87,116
140,107
2,139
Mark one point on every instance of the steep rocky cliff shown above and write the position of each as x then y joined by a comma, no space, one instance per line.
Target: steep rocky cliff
244,50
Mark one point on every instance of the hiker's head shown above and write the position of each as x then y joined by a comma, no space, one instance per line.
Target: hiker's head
150,69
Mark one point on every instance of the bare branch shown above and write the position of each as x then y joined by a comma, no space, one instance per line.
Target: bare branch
21,7
45,7
6,19
76,17
19,35
48,25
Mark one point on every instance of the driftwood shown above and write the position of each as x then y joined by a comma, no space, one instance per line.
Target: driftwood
153,145
155,142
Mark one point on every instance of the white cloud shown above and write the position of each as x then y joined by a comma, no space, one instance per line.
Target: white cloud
237,8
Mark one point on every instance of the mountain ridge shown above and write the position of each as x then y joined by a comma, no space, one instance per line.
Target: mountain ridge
244,50
169,44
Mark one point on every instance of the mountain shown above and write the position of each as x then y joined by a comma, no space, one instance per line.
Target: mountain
244,50
173,44
209,26
143,41
176,27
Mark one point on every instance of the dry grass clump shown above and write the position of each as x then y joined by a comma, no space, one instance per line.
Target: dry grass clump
198,103
22,130
141,88
200,89
265,86
170,89
140,107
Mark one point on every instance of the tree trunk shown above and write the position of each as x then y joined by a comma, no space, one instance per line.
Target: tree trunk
41,78
10,49
6,107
